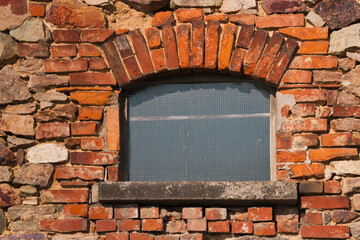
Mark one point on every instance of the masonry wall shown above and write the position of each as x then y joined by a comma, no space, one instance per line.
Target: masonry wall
63,64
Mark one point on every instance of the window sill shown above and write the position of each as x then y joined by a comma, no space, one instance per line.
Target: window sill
199,193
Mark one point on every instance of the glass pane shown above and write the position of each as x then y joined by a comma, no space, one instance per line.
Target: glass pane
199,132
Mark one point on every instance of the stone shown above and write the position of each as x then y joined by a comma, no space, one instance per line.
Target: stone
2,222
51,96
230,6
47,153
15,142
18,124
355,230
339,13
58,113
345,168
5,174
21,109
13,89
38,82
31,30
354,56
16,10
8,48
73,13
350,33
195,3
315,19
28,225
283,6
6,155
75,237
20,157
346,64
31,201
7,195
28,190
351,82
45,105
146,5
31,236
342,216
34,174
98,2
344,98
31,66
351,185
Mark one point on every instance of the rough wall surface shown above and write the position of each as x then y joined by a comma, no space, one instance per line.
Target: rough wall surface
63,64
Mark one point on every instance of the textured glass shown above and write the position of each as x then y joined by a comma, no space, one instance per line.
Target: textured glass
199,132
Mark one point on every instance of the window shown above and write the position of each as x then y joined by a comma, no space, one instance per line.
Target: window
186,129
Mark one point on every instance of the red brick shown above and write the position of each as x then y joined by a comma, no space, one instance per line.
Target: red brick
162,18
64,51
305,140
288,226
149,212
65,196
280,20
237,61
153,37
94,158
170,47
245,36
141,236
332,187
291,156
218,227
313,47
113,174
281,175
183,41
126,211
325,202
81,172
152,225
96,35
158,58
117,236
337,139
268,56
196,225
106,225
124,46
65,65
91,79
92,143
242,227
242,19
335,232
83,128
281,62
192,212
37,9
132,68
297,76
312,218
66,36
223,18
212,44
264,229
305,125
307,170
141,51
226,46
113,129
303,33
255,49
314,62
40,49
258,214
75,210
326,154
64,225
176,226
52,130
216,213
283,141
189,15
303,110
75,183
197,45
99,211
346,111
128,225
97,64
307,95
88,50
121,31
90,113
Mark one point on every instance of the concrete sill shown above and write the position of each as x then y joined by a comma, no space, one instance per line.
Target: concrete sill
199,193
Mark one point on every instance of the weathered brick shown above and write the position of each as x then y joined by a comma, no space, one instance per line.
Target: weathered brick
81,172
64,196
242,19
72,143
346,111
52,130
291,156
105,225
66,36
297,76
183,41
336,232
40,49
196,225
152,225
141,236
312,218
226,46
118,236
88,50
280,20
197,45
153,37
65,65
149,212
325,202
64,51
91,79
242,227
311,187
141,51
96,35
97,63
64,225
176,226
189,15
90,113
99,211
212,45
128,225
332,187
75,210
132,67
124,46
218,226
162,18
113,129
307,170
314,62
92,143
288,226
313,47
245,36
337,139
327,77
236,62
259,214
192,212
37,9
305,125
356,202
216,213
255,49
303,33
303,110
158,58
345,124
170,47
283,140
264,229
126,211
307,95
113,174
223,18
326,154
83,128
94,158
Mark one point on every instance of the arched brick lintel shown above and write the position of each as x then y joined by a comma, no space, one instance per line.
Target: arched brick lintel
200,47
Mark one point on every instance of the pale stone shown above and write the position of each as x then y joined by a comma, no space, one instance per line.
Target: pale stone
52,96
346,64
195,3
98,2
45,105
5,174
34,174
21,109
15,142
31,66
346,168
356,202
353,56
13,89
75,237
315,19
95,193
46,81
18,124
345,38
31,201
351,82
31,30
8,47
351,185
355,230
28,190
47,153
230,6
12,16
344,98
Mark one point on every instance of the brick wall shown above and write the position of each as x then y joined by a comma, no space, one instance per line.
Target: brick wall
62,68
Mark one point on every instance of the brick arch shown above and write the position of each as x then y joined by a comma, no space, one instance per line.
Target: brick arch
199,46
